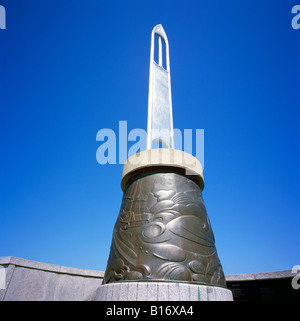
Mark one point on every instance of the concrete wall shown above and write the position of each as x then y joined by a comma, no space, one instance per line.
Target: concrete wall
23,280
267,286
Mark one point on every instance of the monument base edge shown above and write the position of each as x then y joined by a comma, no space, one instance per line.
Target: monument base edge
161,291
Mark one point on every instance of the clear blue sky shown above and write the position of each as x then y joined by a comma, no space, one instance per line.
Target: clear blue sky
70,68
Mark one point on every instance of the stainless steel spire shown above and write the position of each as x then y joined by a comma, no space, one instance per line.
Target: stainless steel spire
160,117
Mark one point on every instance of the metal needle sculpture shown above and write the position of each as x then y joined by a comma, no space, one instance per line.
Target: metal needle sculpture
163,232
160,118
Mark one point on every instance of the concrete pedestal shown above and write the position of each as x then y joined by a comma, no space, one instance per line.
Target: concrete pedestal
161,291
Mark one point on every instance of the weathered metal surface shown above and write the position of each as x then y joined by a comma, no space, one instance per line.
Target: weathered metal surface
163,234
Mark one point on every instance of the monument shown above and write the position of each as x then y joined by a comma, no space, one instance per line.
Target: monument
163,246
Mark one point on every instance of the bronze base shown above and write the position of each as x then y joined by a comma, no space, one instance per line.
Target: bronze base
163,233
